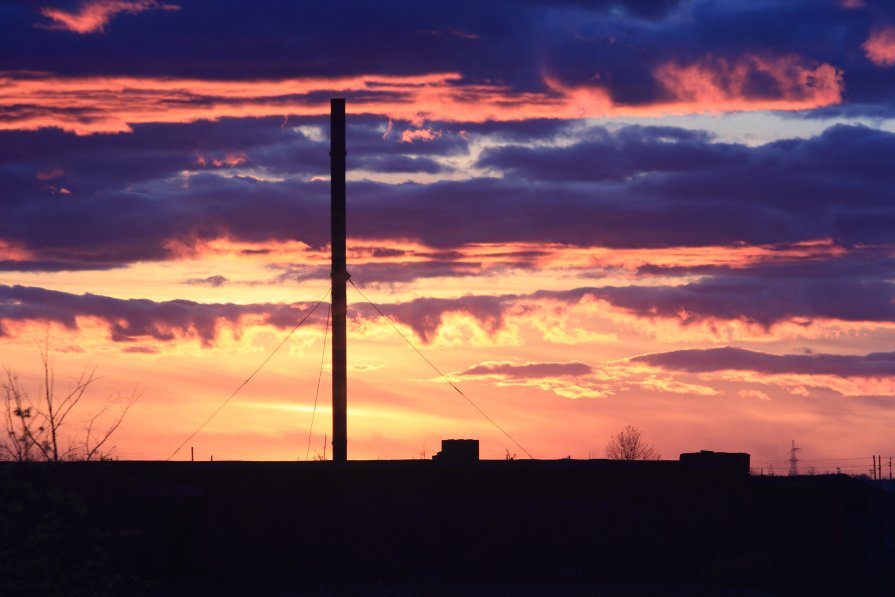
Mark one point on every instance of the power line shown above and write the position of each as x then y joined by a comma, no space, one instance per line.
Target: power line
249,378
319,377
816,460
437,370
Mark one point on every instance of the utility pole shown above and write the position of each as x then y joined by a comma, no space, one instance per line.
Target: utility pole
793,460
339,276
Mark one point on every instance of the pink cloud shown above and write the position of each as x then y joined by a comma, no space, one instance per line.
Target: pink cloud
88,105
93,16
50,174
880,46
12,252
754,394
775,82
231,159
426,134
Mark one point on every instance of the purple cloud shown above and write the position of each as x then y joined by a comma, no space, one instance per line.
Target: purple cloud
93,16
425,315
761,302
878,364
213,281
830,186
529,370
131,320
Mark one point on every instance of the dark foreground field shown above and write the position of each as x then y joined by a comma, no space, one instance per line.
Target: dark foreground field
419,527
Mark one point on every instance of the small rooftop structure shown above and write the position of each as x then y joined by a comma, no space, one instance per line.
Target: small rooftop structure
719,462
458,451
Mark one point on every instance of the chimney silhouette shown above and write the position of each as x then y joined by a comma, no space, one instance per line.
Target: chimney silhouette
339,276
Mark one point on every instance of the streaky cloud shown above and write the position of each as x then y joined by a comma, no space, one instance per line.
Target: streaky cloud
36,100
528,370
877,364
94,15
629,189
132,320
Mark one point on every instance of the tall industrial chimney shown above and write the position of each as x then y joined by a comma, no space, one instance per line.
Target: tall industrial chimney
339,276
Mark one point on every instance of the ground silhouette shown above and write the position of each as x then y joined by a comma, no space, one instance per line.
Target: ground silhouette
701,523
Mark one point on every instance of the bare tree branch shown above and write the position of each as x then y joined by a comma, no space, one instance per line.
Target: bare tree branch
35,432
18,420
125,405
21,418
629,445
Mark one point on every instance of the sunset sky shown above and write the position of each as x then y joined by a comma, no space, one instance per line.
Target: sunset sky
673,214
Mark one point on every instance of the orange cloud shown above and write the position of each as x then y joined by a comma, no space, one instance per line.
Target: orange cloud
802,384
93,17
411,135
572,379
13,252
775,83
498,256
733,256
880,46
231,159
50,174
87,105
682,327
673,386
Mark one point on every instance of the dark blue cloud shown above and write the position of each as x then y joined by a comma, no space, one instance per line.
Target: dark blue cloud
98,163
617,44
616,157
635,188
397,163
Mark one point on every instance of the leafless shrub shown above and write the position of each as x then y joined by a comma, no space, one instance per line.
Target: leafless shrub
628,444
34,427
